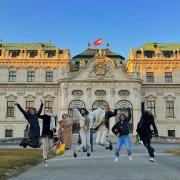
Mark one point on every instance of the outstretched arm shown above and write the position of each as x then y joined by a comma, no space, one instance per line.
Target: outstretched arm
92,114
40,109
114,113
78,113
22,110
129,114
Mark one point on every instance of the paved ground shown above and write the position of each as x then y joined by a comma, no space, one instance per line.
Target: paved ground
101,165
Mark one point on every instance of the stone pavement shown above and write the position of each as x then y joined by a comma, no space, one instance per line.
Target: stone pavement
101,165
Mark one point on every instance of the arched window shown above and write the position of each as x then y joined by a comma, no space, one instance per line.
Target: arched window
98,104
122,109
75,104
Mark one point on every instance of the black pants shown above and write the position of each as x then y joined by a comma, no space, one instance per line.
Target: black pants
147,143
32,142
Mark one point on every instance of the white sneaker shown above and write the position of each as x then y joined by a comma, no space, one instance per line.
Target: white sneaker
130,158
45,163
152,159
116,159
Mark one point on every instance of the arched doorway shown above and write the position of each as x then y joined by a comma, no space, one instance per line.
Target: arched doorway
75,104
122,109
98,104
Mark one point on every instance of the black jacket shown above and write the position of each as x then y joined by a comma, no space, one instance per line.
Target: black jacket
122,127
32,119
108,115
46,126
144,126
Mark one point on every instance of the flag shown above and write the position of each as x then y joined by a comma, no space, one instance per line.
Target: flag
97,42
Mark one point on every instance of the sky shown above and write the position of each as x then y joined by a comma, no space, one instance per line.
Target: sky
125,24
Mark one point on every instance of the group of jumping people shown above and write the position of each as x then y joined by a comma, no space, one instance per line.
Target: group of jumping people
98,121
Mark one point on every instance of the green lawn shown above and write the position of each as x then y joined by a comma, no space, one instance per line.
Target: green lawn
174,151
15,161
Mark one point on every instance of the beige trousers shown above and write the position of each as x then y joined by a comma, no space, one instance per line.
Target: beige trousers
47,145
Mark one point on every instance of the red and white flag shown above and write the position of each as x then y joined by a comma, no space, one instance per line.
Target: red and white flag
97,42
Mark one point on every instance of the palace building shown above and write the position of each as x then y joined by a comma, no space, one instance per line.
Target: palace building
33,71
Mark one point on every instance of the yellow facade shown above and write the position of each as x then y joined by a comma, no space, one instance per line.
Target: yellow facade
162,58
33,55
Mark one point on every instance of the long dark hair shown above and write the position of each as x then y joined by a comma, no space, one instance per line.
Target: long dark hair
86,111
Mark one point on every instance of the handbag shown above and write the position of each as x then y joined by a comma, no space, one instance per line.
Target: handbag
60,148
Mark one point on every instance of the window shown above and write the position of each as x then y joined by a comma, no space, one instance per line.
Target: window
168,77
48,104
77,93
168,54
100,93
8,133
31,76
124,93
50,54
169,108
171,133
77,65
15,53
49,76
32,53
0,52
60,51
29,104
10,109
12,76
149,54
149,77
151,106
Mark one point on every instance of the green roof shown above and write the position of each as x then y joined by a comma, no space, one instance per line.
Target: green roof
161,46
28,46
90,53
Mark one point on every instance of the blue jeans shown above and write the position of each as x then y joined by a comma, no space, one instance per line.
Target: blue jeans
120,141
91,139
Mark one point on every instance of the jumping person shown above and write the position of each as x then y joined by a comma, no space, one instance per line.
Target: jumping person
84,131
65,131
34,132
101,124
121,129
48,130
85,119
108,115
145,132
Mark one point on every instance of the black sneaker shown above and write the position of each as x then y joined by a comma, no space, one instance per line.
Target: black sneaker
88,154
110,146
75,155
107,148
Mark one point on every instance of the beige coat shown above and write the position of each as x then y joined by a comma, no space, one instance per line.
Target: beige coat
65,133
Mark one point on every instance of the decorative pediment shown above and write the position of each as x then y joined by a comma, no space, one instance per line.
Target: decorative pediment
49,97
30,97
151,97
11,97
169,98
100,68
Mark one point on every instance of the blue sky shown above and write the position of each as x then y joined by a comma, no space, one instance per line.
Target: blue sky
71,23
